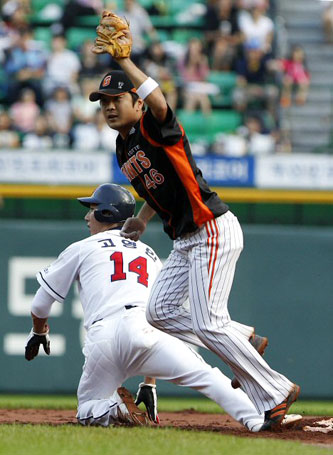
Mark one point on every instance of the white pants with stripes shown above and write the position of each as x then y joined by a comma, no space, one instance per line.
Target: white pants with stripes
127,346
201,268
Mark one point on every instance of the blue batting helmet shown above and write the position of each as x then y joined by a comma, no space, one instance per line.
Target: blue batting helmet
114,203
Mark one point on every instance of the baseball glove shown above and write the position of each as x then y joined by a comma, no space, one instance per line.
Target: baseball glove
113,36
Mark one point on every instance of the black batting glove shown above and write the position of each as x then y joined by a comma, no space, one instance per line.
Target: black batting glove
148,396
33,342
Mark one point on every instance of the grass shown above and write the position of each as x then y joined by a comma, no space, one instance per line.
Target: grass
324,408
73,440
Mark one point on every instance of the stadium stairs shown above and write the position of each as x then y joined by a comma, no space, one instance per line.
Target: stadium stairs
311,125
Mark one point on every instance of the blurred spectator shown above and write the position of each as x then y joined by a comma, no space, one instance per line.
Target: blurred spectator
60,114
222,56
25,66
259,141
91,64
6,40
15,14
107,136
85,136
222,33
253,85
78,8
252,138
159,67
94,135
83,109
194,69
141,26
327,19
25,111
9,138
40,138
246,5
296,77
282,141
254,24
232,145
63,66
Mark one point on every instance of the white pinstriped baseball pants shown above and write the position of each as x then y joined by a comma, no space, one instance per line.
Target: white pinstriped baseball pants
201,268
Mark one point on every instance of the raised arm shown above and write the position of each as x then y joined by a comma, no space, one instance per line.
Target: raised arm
114,37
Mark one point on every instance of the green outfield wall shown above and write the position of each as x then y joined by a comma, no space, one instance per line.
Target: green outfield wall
283,286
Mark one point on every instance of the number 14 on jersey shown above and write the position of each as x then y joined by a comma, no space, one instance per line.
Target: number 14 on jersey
138,266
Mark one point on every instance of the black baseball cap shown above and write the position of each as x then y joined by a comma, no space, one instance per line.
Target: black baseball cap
114,83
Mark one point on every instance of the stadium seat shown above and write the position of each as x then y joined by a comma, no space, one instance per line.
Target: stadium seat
44,34
183,35
226,81
76,36
38,8
205,127
38,5
3,83
146,3
88,21
163,21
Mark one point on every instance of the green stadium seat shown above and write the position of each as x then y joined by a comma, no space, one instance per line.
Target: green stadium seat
226,121
43,34
88,21
163,35
38,5
37,16
176,6
3,80
76,36
183,36
146,3
162,21
226,81
205,127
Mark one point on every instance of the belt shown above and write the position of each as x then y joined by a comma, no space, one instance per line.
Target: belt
127,307
97,320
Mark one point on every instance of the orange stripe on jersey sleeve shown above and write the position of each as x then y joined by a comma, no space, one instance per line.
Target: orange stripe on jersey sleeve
177,155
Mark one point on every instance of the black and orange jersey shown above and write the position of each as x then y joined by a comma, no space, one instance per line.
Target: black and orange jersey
158,162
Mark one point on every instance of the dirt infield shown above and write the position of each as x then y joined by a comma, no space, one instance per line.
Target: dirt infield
189,420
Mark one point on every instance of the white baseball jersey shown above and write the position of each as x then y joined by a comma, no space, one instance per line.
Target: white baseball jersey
102,264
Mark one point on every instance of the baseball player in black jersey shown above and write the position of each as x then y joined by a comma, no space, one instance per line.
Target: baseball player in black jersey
154,154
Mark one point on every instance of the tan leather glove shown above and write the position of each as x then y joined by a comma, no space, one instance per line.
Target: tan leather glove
113,36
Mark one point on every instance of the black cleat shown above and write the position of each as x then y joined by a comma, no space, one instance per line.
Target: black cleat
274,418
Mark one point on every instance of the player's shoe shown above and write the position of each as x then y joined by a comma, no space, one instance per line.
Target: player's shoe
290,420
260,344
128,412
274,417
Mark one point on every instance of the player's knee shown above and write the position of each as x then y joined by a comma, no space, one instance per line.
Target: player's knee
95,413
208,331
151,316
